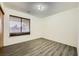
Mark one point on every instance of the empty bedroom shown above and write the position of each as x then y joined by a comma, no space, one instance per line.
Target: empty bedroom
39,28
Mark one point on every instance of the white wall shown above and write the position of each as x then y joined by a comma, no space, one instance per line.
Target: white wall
77,18
35,27
61,27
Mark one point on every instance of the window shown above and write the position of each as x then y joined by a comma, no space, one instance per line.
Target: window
19,26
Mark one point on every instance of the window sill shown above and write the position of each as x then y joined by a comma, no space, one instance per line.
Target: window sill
19,34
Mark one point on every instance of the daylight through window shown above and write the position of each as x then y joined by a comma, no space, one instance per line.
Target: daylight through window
19,26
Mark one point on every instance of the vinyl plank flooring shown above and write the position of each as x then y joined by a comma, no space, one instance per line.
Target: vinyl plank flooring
38,47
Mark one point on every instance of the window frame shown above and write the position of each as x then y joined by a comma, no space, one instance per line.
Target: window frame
20,33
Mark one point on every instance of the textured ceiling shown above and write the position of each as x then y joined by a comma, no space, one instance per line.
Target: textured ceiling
50,7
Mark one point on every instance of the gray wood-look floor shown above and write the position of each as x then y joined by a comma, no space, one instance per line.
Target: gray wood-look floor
39,47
